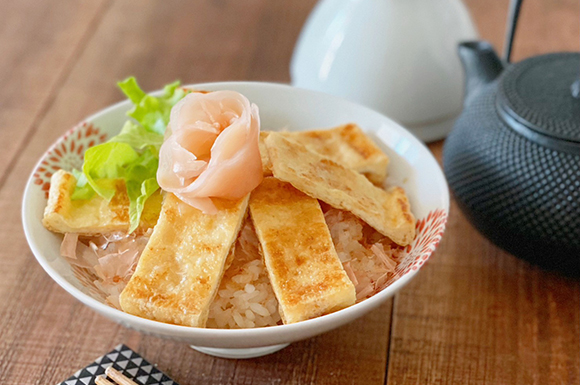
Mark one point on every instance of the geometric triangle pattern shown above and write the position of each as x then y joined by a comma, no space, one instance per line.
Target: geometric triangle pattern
126,361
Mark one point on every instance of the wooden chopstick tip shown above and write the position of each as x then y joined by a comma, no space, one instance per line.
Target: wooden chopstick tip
114,375
101,380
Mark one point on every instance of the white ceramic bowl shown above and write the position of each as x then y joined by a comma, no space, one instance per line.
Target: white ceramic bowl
281,107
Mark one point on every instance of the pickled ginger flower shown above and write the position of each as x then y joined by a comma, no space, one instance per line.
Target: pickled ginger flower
211,149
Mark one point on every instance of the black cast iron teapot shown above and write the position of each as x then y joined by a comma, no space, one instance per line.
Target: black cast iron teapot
513,158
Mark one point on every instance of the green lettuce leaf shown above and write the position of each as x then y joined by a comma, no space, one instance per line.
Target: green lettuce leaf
132,90
105,163
133,154
137,136
83,190
141,182
150,111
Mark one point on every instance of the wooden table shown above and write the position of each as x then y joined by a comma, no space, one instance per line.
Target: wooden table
473,315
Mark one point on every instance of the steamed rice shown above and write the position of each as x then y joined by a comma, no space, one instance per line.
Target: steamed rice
245,298
368,258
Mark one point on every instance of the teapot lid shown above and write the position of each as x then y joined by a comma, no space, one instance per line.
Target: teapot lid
535,98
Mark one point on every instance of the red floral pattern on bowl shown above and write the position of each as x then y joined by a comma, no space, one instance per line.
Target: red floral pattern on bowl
429,231
67,153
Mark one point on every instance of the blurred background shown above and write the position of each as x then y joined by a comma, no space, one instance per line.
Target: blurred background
199,41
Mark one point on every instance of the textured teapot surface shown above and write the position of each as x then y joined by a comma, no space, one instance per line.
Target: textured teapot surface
517,177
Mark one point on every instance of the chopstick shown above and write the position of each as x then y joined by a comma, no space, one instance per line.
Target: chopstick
101,380
114,375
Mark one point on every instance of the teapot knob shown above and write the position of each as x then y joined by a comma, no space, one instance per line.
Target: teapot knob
576,89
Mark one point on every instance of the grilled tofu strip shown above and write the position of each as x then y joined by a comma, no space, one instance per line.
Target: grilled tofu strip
388,212
182,265
305,272
347,145
266,164
96,215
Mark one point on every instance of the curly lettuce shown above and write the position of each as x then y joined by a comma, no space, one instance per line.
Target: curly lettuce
132,155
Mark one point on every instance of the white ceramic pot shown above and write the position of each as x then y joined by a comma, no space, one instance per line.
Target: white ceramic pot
398,57
411,166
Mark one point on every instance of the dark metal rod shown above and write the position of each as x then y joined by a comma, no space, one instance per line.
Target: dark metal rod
576,87
514,13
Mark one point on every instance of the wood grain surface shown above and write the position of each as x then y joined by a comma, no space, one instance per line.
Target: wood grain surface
39,45
473,315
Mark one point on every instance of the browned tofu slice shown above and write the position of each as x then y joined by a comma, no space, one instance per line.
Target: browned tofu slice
96,215
306,274
388,212
347,145
182,265
266,164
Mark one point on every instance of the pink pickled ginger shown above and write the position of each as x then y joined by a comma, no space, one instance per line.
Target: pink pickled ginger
211,149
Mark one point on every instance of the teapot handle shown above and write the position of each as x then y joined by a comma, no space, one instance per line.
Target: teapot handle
514,13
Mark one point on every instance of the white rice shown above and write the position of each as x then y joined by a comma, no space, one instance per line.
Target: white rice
368,258
245,298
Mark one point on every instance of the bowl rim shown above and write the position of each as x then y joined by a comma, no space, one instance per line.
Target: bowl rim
141,324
